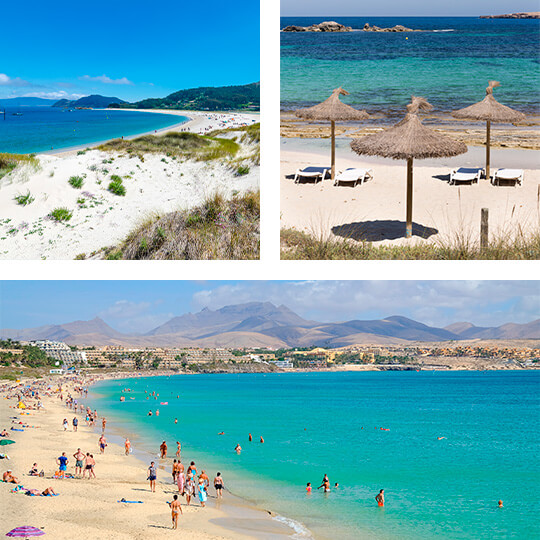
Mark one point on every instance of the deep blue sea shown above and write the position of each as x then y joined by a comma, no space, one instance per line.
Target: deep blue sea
317,423
449,64
41,129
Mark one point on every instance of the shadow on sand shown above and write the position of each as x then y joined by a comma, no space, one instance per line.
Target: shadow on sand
375,231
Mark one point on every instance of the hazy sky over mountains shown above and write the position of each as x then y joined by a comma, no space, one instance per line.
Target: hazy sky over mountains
139,306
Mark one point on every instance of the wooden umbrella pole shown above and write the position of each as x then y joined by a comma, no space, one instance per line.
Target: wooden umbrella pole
488,144
408,230
333,132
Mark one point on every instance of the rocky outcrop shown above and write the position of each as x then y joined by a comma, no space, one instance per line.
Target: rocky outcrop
523,15
397,28
326,26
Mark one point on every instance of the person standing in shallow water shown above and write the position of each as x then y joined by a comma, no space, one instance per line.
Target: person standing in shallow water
380,498
163,450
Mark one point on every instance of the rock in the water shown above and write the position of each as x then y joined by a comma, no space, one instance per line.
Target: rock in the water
326,26
397,28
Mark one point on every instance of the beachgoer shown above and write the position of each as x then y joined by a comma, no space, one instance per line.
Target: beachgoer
127,446
176,509
192,468
178,449
102,444
336,486
62,464
9,478
262,440
149,412
238,449
4,433
103,424
152,476
176,420
75,423
34,470
79,458
380,498
174,471
325,483
202,492
500,504
218,485
204,476
190,487
180,479
90,463
48,492
250,438
308,487
163,450
65,424
221,433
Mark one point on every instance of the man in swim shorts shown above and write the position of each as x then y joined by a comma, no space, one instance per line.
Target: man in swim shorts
79,458
218,485
62,463
176,509
380,498
163,450
102,444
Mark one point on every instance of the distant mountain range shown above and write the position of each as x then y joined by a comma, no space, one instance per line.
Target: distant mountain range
94,102
262,324
205,98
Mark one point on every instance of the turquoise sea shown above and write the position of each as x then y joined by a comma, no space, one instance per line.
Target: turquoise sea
41,129
317,423
449,63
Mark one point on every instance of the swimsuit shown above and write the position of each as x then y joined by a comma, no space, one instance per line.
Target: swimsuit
202,494
79,463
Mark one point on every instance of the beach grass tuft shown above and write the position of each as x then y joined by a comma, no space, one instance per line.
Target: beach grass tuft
116,185
216,229
76,181
61,214
297,245
9,162
24,200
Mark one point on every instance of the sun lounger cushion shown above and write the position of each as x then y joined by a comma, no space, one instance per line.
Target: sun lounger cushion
354,175
509,174
466,174
312,172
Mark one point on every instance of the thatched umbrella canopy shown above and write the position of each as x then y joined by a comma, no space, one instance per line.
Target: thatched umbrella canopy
333,110
490,110
409,139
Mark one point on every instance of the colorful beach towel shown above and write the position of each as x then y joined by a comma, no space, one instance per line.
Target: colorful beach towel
131,502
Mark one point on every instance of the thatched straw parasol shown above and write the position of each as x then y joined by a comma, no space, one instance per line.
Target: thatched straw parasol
333,110
409,139
490,110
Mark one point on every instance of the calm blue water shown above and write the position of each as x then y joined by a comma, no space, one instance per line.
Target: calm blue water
450,64
320,423
41,129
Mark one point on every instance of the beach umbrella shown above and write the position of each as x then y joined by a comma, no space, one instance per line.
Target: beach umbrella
490,110
5,442
409,139
333,110
26,531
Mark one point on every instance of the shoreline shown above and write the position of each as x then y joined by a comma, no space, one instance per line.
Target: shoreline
227,520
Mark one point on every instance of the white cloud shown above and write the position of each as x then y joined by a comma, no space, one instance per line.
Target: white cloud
106,80
59,94
8,81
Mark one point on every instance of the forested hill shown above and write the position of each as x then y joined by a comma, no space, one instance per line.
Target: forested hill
221,98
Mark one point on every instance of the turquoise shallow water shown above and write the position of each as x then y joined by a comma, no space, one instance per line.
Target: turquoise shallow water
318,423
449,63
41,129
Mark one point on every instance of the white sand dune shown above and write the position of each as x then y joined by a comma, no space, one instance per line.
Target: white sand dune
101,218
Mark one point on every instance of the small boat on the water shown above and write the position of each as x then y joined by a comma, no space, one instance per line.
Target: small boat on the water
16,114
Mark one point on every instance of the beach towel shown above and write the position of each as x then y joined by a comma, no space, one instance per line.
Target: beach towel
15,429
131,502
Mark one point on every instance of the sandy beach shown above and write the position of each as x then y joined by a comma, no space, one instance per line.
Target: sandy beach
100,218
375,210
88,508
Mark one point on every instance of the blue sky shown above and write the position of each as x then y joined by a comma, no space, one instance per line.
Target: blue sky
128,49
139,306
390,8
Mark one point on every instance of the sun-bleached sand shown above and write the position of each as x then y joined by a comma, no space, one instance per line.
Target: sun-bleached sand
375,210
88,508
100,218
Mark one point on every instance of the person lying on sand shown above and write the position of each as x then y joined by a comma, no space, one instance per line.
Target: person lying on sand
9,478
176,509
4,433
48,492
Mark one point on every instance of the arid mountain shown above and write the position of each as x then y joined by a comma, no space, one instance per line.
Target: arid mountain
262,324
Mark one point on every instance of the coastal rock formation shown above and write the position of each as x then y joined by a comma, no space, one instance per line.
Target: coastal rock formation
397,28
326,26
523,15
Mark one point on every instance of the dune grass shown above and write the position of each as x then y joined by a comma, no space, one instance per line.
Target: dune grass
9,162
183,144
61,214
76,181
116,186
297,245
24,200
217,229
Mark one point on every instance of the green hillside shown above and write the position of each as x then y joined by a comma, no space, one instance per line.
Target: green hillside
204,99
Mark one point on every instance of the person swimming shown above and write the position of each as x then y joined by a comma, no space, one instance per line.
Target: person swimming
308,487
380,498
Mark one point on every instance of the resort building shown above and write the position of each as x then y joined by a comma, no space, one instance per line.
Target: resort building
61,352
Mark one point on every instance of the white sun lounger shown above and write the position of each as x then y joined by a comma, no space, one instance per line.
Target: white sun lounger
316,173
508,175
357,176
466,174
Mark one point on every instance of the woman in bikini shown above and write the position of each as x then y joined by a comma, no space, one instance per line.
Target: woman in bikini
176,510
